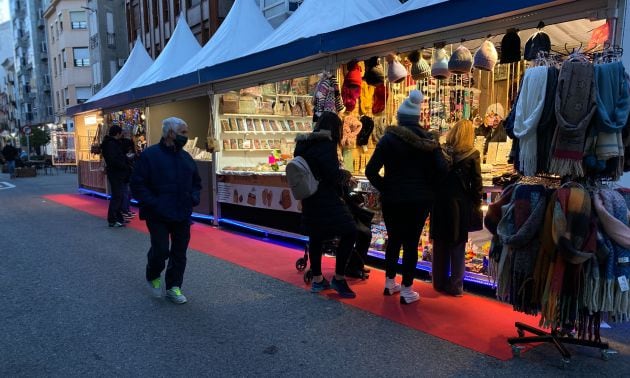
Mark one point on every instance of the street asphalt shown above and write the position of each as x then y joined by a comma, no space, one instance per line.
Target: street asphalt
75,303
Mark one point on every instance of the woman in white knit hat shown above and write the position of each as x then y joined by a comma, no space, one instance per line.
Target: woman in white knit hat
413,164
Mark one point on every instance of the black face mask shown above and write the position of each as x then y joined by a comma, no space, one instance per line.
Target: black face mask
180,140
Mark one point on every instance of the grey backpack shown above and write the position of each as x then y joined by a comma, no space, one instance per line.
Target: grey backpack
302,182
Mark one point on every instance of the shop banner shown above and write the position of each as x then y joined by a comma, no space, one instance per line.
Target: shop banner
264,197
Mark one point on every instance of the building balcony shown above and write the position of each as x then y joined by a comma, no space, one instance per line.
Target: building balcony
94,41
41,23
43,56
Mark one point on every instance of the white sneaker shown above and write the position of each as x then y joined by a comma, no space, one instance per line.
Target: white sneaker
175,295
391,287
407,295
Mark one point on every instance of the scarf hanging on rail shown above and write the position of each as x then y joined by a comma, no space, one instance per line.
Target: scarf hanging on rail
575,106
521,243
547,125
574,235
613,203
528,112
613,106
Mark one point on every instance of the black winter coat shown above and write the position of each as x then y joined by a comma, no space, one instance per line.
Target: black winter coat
166,183
10,153
459,192
413,163
115,159
324,213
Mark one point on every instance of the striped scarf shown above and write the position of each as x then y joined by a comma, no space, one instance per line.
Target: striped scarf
573,233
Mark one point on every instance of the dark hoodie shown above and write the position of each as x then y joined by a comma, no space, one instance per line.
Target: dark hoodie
413,163
325,212
115,159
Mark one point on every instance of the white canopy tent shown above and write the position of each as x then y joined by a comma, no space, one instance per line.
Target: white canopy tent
243,28
415,4
178,51
137,62
313,18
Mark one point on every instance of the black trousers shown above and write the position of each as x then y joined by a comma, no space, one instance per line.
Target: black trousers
404,222
341,256
169,241
357,258
449,266
116,186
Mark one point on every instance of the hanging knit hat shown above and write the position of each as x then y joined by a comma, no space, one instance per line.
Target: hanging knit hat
378,100
486,56
366,130
374,72
351,88
439,69
409,110
461,61
396,72
511,47
420,69
538,42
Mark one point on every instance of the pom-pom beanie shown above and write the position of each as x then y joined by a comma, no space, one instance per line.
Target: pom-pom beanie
511,47
420,69
351,88
439,69
396,72
486,56
461,61
374,74
538,42
409,110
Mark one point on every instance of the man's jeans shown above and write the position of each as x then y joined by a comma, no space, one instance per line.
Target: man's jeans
11,166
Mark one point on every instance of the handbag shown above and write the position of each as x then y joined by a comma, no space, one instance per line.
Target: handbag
95,148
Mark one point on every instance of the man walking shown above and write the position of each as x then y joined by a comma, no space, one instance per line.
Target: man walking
118,173
10,153
166,183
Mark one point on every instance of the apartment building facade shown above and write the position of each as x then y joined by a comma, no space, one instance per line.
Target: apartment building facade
109,49
69,56
154,20
30,52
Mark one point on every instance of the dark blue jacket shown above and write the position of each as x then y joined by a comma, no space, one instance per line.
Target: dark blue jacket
166,183
115,160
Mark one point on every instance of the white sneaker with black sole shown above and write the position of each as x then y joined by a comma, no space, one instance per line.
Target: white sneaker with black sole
391,287
407,295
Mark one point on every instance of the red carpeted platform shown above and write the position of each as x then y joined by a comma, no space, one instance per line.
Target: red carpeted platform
478,323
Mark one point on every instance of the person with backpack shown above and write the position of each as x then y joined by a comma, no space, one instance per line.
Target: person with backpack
325,215
457,210
413,164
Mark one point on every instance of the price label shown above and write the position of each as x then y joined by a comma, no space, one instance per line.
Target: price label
623,283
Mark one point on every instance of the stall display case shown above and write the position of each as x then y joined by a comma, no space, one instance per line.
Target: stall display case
63,148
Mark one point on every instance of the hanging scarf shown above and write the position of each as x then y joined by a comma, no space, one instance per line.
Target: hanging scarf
573,233
546,255
523,243
528,112
615,205
547,125
575,106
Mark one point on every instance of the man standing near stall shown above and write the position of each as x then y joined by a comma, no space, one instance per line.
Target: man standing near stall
166,183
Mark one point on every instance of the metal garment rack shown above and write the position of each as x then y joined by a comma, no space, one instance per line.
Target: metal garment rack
557,338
